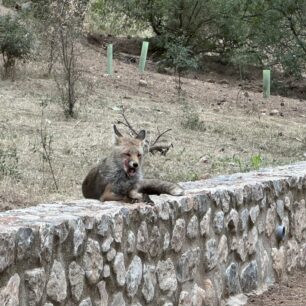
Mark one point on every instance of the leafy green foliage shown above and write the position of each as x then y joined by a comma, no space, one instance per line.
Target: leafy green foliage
265,33
15,42
179,57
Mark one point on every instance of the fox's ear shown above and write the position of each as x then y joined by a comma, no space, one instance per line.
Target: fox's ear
141,135
116,136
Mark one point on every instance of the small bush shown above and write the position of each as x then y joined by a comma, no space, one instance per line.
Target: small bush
193,122
179,57
15,43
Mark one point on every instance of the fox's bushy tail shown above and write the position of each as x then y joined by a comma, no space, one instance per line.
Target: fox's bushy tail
155,186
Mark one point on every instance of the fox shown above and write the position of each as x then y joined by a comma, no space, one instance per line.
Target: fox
119,177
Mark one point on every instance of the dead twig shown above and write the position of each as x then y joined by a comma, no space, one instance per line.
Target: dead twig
153,146
163,150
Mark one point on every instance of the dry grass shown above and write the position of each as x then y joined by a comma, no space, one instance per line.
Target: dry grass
226,129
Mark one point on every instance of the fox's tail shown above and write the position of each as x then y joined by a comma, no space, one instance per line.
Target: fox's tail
155,186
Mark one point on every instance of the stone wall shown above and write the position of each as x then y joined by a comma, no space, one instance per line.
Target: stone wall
217,240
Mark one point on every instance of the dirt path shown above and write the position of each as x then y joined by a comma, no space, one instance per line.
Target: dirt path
293,293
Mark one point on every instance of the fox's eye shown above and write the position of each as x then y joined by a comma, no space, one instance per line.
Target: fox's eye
139,155
127,154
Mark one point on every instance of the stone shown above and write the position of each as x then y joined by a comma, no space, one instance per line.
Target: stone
57,284
9,295
261,226
166,241
155,242
210,294
119,269
117,226
244,219
280,208
232,221
118,300
241,250
184,299
198,296
103,294
106,271
193,227
254,213
252,241
103,225
211,254
143,83
166,275
62,231
149,282
76,277
234,243
24,242
79,236
299,222
164,210
86,302
178,235
218,222
50,304
186,204
270,221
223,250
257,192
133,276
278,187
292,255
188,265
302,256
89,222
205,223
232,283
7,250
93,261
111,254
238,194
35,281
225,201
249,277
142,238
106,245
131,242
274,112
287,201
279,261
46,233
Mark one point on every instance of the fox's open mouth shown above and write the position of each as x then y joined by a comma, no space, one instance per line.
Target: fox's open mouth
131,171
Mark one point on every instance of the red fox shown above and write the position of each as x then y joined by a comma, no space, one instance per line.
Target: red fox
119,176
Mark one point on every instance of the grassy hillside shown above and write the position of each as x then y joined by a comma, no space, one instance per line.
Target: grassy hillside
217,127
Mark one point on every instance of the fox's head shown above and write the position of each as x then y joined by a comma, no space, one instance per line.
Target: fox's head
129,151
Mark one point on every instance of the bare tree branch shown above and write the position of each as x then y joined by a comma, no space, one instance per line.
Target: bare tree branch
153,147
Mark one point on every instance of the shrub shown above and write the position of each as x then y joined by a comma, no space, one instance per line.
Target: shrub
15,43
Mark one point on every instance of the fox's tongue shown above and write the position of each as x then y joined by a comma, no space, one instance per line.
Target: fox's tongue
132,172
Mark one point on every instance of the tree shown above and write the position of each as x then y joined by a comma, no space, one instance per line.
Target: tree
15,43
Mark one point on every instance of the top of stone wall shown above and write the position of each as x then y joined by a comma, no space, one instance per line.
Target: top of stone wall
219,188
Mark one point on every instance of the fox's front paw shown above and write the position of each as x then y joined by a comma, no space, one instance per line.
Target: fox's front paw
136,195
177,191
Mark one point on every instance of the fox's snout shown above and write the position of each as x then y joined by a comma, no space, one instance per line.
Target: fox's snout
133,164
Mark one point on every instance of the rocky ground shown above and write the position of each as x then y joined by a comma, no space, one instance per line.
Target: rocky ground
288,293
